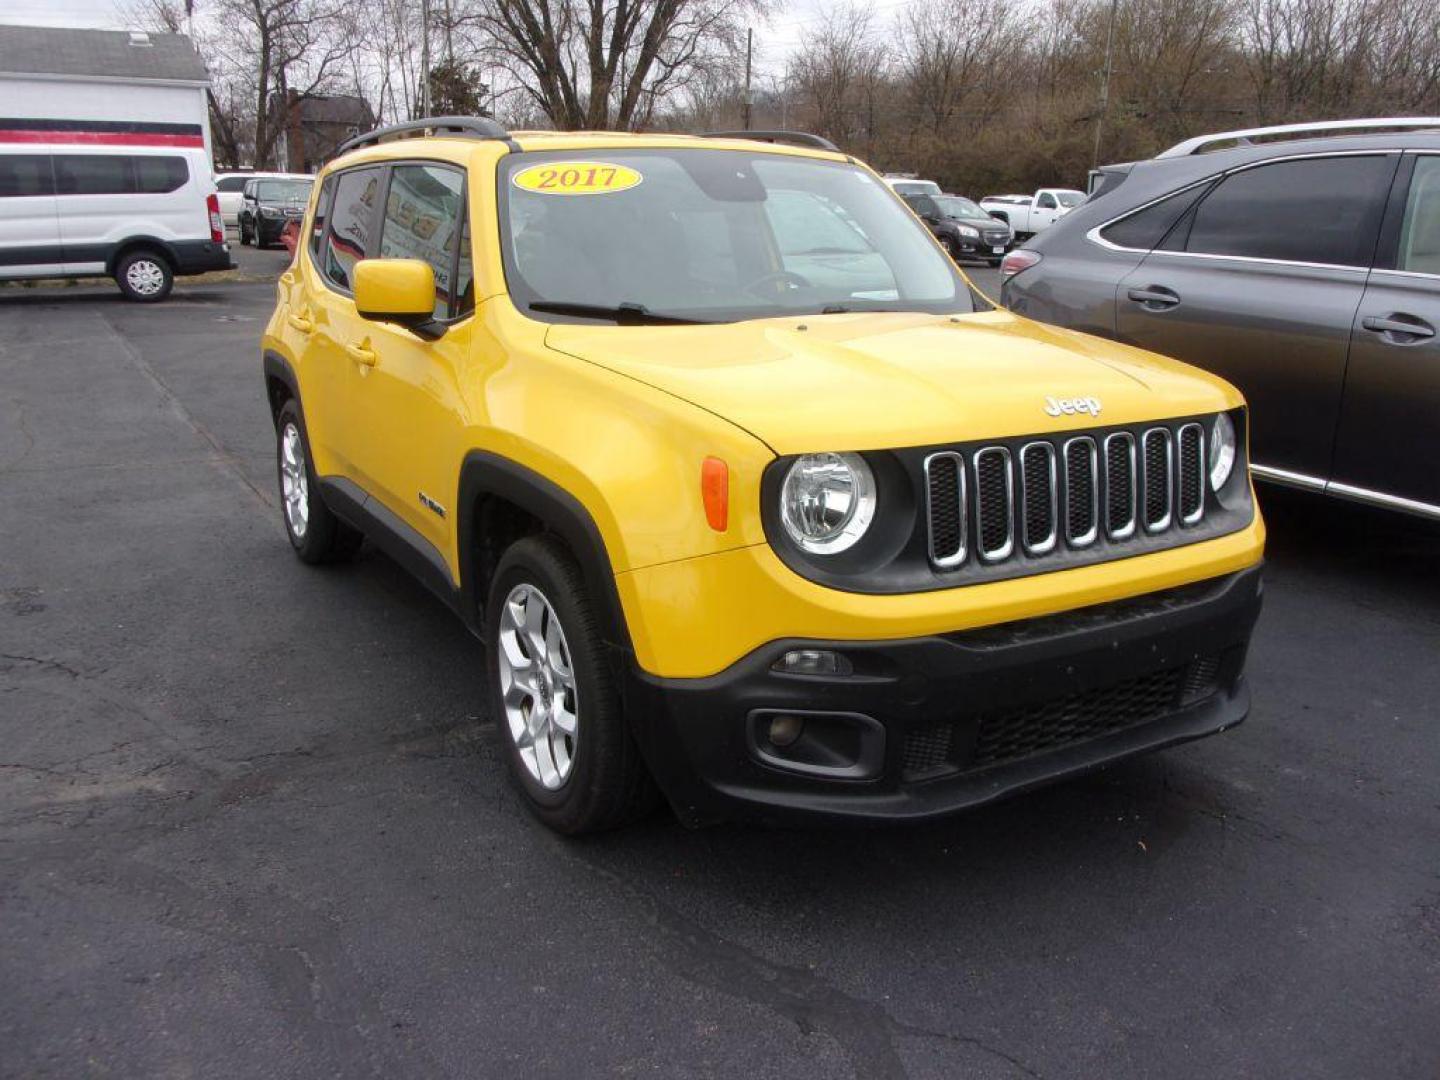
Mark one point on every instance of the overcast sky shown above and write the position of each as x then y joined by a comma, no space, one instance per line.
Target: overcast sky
773,42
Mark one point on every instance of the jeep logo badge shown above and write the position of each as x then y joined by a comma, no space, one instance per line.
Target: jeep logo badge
1069,406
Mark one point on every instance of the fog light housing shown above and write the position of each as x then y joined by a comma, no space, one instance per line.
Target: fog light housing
813,662
785,730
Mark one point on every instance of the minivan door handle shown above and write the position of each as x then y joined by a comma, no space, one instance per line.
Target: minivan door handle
1155,297
1399,328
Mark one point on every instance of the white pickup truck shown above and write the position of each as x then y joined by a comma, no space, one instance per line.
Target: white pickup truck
1030,214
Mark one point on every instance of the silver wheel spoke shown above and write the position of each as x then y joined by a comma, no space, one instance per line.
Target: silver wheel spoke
294,484
537,686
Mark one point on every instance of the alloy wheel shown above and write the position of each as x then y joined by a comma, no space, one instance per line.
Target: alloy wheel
294,484
537,686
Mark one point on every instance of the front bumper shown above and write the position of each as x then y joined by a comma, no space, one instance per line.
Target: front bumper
268,229
933,725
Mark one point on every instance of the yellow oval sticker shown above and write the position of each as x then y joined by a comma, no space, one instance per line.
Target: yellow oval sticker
577,178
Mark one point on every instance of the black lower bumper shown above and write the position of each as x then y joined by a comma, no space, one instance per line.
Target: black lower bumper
929,726
199,256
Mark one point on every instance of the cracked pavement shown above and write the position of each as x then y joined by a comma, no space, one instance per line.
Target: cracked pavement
252,823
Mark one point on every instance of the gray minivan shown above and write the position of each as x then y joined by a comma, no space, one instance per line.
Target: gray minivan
1300,262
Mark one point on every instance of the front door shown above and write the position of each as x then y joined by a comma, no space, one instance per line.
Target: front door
407,400
1260,283
1390,421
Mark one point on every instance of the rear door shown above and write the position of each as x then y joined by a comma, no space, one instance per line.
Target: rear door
1390,419
1045,210
1259,282
29,223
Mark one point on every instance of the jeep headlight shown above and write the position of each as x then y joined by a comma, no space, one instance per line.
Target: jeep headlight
827,502
970,232
1222,451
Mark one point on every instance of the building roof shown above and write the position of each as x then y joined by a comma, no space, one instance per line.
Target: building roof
50,50
335,109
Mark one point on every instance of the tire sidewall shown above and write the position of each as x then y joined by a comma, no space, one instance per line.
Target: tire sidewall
290,413
534,565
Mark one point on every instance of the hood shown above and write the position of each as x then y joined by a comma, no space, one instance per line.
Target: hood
884,380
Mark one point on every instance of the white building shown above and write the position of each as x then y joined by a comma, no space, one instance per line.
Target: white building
111,87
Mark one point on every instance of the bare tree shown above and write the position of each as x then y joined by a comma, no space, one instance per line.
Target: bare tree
838,75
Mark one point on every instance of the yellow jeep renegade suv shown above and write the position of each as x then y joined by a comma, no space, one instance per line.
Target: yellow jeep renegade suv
753,501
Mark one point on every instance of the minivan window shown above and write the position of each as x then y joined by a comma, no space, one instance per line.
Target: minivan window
231,183
1312,210
119,174
1420,232
352,221
422,221
25,175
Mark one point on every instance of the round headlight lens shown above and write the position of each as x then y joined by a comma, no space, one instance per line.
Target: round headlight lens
1222,451
827,502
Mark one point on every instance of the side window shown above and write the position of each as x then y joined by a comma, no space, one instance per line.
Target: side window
352,223
1145,228
422,221
1318,210
322,214
94,174
157,175
25,174
1046,201
922,205
1420,232
464,276
230,183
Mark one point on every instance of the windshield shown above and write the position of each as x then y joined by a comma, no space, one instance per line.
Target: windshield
282,191
1069,199
953,206
712,236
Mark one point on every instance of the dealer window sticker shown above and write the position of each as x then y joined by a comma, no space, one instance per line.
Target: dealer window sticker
577,178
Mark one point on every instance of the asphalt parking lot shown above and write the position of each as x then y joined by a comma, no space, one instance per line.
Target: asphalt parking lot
253,823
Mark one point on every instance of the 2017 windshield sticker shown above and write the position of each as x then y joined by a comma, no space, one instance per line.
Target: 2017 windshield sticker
577,178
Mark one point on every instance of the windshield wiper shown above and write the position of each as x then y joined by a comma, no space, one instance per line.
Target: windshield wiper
626,314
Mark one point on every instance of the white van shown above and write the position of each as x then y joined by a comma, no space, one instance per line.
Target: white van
140,214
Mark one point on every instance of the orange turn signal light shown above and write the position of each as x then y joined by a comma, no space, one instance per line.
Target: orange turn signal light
715,491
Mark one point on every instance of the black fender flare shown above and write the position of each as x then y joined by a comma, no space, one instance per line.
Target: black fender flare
278,368
483,473
130,243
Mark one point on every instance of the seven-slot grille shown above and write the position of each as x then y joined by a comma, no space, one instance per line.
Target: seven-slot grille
991,503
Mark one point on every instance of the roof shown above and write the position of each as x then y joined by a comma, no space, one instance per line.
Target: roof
335,109
113,54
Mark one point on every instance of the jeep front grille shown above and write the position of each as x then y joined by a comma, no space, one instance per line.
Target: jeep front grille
1042,497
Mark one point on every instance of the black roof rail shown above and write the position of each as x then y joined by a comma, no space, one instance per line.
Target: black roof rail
471,127
794,138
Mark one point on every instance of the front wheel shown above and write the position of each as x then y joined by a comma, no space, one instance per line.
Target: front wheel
244,234
144,277
567,743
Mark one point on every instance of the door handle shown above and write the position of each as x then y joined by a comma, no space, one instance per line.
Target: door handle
1155,297
300,322
362,354
1399,328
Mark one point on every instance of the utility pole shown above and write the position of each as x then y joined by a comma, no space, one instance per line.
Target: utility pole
749,41
424,57
1105,84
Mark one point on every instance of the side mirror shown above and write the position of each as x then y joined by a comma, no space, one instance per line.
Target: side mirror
400,291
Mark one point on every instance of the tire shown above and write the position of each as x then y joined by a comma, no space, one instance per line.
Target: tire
144,276
952,247
244,234
589,778
316,534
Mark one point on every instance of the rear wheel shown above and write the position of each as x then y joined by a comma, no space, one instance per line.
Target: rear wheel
144,276
244,234
566,740
315,533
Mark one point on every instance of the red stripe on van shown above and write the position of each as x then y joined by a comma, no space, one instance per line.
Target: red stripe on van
101,138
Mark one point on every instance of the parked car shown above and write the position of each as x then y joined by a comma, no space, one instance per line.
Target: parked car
139,214
1032,214
911,185
966,231
231,187
268,203
1304,268
775,546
